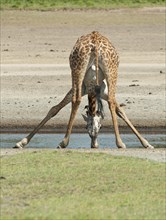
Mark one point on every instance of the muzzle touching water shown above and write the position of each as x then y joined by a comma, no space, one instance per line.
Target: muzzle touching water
93,127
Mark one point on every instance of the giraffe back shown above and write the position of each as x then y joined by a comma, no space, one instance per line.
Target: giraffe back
93,47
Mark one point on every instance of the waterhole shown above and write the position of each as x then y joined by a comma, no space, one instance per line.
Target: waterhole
80,140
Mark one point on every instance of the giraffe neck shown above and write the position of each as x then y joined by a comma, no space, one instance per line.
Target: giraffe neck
92,105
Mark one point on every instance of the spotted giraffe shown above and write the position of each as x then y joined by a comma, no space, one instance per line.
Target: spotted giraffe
94,70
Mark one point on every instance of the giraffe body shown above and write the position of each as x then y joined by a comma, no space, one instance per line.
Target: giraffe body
94,70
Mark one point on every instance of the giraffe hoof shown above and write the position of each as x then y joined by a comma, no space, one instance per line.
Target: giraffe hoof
147,145
150,147
121,146
61,145
94,147
18,145
21,144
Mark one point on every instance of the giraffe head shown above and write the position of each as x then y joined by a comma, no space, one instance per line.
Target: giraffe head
93,127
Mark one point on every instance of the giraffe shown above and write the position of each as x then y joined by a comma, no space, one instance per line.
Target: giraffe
94,69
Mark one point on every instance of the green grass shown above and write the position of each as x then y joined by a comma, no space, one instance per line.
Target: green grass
70,185
61,4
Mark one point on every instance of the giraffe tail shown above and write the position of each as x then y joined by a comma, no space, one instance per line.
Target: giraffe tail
95,50
100,108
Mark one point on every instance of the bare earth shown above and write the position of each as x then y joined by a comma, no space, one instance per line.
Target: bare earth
35,73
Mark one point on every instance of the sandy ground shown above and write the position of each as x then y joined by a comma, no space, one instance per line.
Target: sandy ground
35,73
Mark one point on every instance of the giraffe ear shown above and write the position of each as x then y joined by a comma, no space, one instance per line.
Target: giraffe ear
85,117
100,114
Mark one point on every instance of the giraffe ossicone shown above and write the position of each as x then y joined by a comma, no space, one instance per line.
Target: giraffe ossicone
94,70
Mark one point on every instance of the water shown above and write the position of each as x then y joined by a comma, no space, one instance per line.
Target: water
81,140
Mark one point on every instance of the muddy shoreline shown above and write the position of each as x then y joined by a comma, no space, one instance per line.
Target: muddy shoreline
81,129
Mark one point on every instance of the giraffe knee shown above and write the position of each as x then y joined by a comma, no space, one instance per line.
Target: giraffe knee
52,112
76,100
120,112
112,103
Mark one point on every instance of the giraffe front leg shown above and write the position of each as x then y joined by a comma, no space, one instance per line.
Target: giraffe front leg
78,92
21,144
53,111
65,141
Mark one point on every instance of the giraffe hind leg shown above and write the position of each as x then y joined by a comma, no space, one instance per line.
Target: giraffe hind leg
112,108
120,112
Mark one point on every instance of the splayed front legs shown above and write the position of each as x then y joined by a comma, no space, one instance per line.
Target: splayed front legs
53,111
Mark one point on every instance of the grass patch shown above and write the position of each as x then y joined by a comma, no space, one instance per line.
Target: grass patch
61,4
71,185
